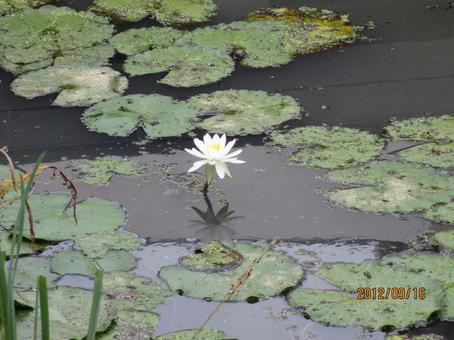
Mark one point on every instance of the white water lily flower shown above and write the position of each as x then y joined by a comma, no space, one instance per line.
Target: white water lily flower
214,153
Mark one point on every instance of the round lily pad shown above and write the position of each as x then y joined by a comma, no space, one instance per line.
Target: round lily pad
11,6
424,128
448,305
124,10
337,308
97,245
138,40
443,213
21,68
242,112
186,66
202,334
391,187
131,324
273,274
158,115
330,148
445,238
27,247
78,85
432,154
53,223
99,171
96,55
28,270
69,313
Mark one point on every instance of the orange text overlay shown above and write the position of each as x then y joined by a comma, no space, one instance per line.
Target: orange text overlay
387,293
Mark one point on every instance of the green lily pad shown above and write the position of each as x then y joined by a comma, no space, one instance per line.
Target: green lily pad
11,6
415,337
330,148
27,247
424,129
73,262
443,213
28,270
97,245
69,313
97,55
445,239
212,257
78,85
391,187
272,275
202,334
242,112
186,66
339,308
432,154
177,12
132,324
36,35
158,115
138,40
448,305
100,170
53,223
131,292
124,10
17,68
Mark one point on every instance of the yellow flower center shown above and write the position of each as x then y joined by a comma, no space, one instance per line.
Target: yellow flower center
216,146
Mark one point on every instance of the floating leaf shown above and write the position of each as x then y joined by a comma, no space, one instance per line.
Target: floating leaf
158,115
100,170
443,213
186,66
448,305
132,292
273,274
124,10
242,112
33,37
329,148
415,337
69,313
432,154
53,223
11,6
445,238
202,334
97,245
425,129
176,12
138,40
132,324
97,55
339,308
78,85
26,247
117,260
17,68
212,257
28,270
390,187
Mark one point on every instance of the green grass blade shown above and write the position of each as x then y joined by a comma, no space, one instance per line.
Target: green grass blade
35,322
3,298
96,302
44,308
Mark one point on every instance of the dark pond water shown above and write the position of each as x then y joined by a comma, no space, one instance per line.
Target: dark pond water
404,69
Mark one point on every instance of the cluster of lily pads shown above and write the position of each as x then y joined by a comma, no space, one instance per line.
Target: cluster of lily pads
417,181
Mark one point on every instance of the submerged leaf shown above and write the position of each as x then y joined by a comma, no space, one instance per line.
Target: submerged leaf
273,274
55,223
158,115
430,129
97,245
242,112
78,85
99,171
202,334
330,148
186,66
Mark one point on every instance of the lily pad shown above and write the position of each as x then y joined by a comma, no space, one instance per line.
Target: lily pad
69,313
28,270
36,35
443,213
132,324
339,308
448,305
27,247
272,275
242,112
131,292
97,245
202,334
100,170
212,257
97,55
430,129
159,116
11,6
177,12
73,262
432,154
53,223
18,68
391,187
138,40
186,66
445,238
330,148
78,85
124,10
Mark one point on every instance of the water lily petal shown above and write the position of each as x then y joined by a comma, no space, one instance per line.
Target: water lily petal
223,141
220,169
195,153
216,139
234,160
234,153
197,165
200,145
207,139
227,170
229,147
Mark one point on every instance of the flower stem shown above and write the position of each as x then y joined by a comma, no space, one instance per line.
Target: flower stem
205,189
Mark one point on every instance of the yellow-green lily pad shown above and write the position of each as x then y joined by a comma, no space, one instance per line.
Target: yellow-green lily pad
28,270
445,239
11,6
131,324
202,334
96,245
442,213
430,129
436,155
